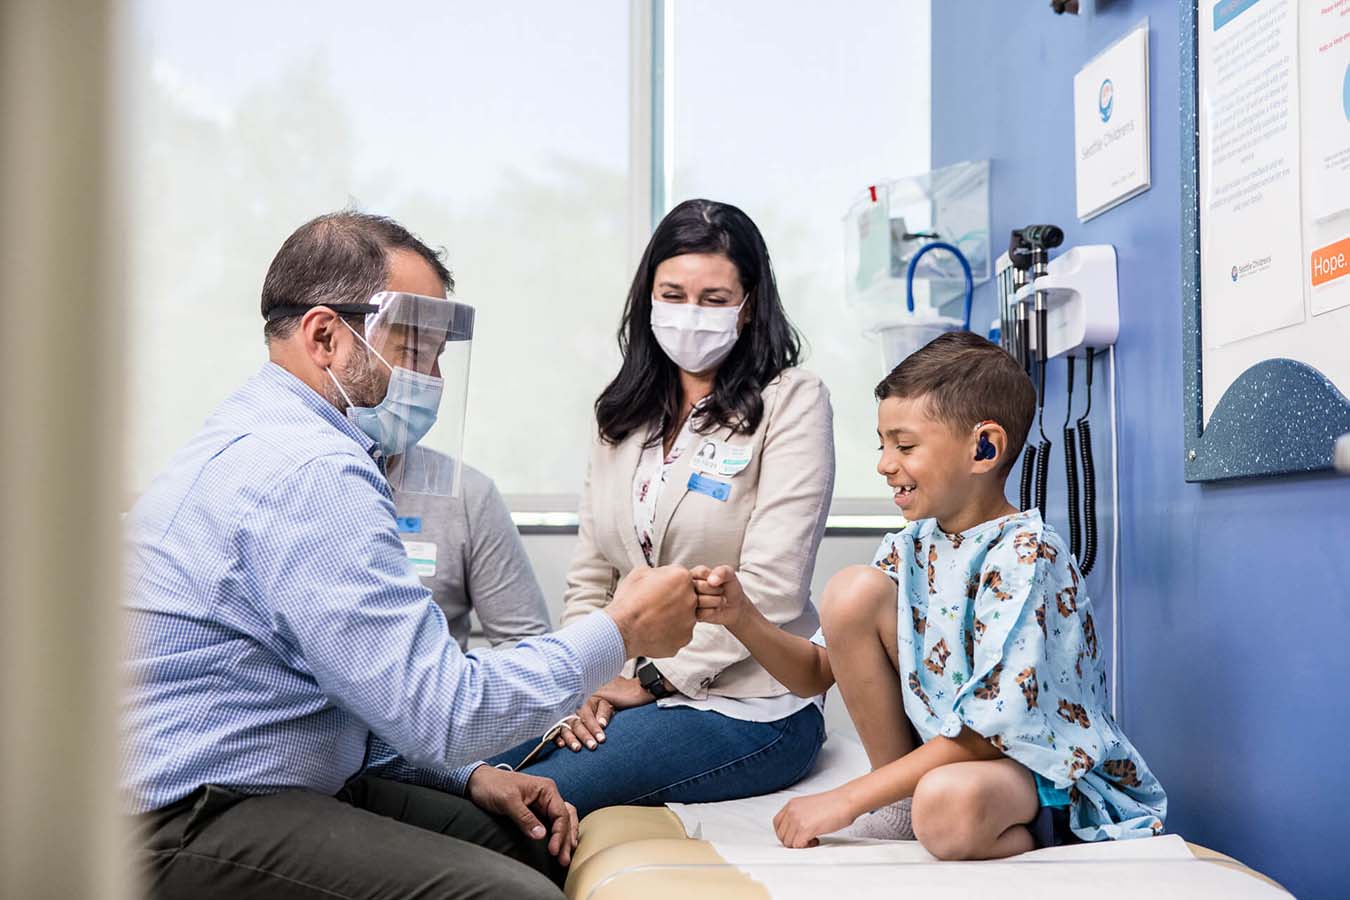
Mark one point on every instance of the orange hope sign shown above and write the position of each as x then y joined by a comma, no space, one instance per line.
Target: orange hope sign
1331,262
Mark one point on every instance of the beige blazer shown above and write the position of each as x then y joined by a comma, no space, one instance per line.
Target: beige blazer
769,529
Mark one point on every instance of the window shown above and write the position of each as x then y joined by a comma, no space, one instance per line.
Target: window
517,136
789,114
499,131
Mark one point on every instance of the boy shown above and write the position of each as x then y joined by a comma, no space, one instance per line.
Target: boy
987,654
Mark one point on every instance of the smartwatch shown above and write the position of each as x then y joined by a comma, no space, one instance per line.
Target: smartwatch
652,681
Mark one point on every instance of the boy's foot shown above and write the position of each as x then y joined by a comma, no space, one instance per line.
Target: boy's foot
890,823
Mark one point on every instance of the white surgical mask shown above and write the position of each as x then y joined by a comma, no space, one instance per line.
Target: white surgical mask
696,338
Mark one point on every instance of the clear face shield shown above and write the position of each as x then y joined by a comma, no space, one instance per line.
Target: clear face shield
425,342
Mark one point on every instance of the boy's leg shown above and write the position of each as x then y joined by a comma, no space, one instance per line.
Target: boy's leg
976,810
858,616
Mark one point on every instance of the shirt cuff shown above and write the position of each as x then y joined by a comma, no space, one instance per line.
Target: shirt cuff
457,781
598,647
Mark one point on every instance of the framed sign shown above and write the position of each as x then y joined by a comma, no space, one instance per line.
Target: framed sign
1110,125
1265,169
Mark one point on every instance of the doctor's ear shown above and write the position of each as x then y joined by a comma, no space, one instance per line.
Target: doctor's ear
319,330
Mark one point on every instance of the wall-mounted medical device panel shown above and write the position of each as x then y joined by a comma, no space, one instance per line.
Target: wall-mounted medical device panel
1081,300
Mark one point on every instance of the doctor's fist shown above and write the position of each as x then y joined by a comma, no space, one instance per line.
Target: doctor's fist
655,611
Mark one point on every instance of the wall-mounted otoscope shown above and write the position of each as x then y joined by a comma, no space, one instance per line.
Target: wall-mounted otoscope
1066,306
1029,250
1019,262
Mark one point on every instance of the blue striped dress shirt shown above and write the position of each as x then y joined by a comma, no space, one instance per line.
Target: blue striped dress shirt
279,638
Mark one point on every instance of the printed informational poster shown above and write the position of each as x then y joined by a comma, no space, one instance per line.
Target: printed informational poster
1324,56
1274,179
1110,125
1251,247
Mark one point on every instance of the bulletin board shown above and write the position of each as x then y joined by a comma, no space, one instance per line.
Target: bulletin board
1265,104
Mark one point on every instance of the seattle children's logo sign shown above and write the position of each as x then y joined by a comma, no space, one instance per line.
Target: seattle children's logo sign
1106,96
1345,93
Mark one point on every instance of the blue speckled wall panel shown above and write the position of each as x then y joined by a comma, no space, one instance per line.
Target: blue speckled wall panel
1235,597
1279,416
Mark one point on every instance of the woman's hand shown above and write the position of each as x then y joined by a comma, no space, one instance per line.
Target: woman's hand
594,715
721,600
805,819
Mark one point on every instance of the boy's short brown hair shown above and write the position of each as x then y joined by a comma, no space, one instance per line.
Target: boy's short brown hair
967,381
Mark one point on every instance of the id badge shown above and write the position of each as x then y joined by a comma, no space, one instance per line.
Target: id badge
422,555
733,459
711,487
705,458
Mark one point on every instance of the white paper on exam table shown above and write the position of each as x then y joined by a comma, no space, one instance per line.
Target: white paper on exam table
741,831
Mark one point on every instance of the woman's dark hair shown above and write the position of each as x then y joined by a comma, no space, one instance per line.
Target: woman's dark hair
646,391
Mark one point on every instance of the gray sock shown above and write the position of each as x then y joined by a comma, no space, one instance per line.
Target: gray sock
890,823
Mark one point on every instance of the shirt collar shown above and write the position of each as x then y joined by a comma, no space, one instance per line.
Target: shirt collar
280,377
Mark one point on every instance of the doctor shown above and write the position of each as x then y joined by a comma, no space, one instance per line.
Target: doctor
713,448
301,722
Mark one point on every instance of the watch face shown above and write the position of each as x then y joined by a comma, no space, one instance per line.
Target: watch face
650,679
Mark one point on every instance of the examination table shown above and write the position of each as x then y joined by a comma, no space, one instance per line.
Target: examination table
728,850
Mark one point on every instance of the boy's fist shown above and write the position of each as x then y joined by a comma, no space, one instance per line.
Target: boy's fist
721,600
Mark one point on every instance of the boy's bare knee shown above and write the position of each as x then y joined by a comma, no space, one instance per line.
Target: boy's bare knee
853,598
945,811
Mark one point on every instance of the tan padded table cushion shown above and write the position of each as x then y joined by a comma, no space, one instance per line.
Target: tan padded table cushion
623,837
637,837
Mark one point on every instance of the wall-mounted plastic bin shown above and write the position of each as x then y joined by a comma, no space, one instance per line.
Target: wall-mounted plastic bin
892,220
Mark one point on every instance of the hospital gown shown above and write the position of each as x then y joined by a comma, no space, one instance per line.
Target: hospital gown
996,633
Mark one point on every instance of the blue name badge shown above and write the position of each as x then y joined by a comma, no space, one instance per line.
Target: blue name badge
409,524
701,484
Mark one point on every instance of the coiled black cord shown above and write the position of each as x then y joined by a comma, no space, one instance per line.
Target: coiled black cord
1071,474
1028,472
1089,557
1042,474
1043,451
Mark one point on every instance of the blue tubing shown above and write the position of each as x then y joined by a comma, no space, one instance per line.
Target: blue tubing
965,267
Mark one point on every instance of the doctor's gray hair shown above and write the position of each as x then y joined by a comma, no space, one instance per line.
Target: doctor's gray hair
340,257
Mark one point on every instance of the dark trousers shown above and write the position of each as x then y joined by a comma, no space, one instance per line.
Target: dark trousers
375,839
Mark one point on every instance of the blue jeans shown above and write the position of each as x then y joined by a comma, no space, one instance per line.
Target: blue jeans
652,756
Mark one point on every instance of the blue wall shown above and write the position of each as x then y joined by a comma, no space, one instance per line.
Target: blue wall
1234,598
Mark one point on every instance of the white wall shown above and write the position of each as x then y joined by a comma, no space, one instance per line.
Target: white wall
550,555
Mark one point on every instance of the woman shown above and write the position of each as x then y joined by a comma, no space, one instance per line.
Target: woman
712,449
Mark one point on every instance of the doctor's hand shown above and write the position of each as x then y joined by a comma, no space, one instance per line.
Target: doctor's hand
721,600
654,611
530,802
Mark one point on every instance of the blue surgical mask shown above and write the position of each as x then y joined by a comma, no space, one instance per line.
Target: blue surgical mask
406,413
